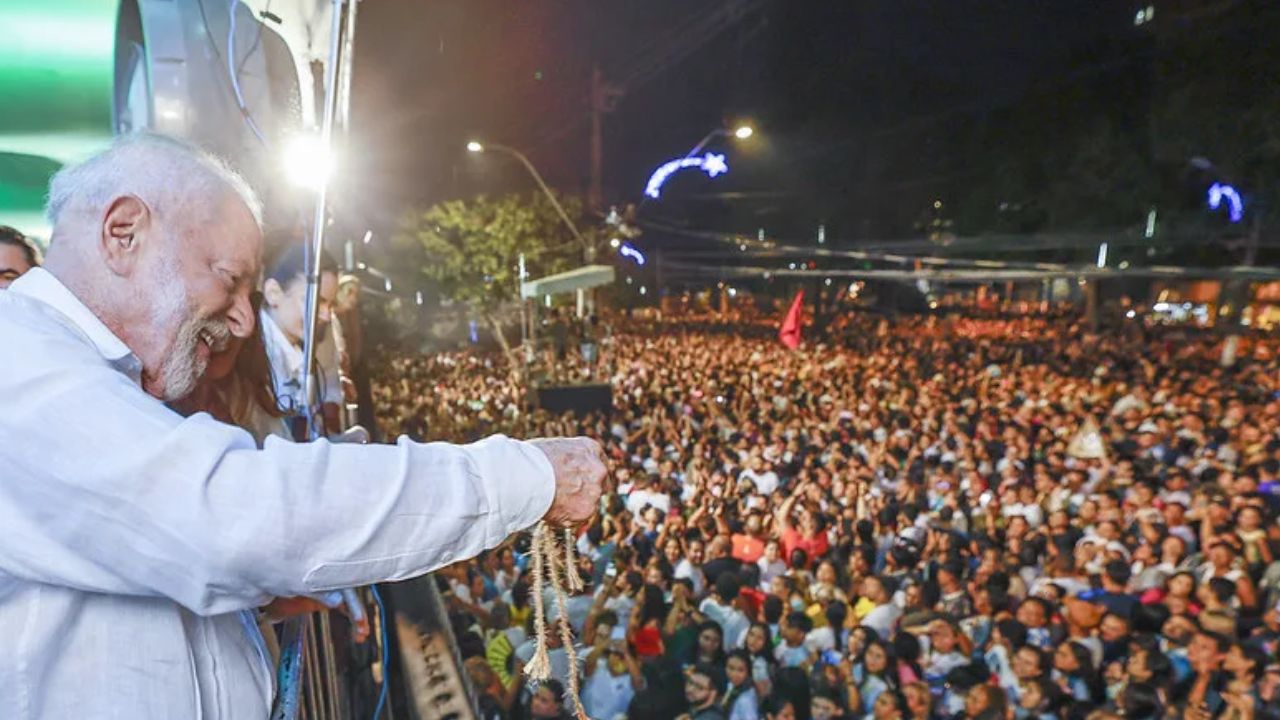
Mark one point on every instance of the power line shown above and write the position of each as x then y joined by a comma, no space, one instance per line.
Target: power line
1083,272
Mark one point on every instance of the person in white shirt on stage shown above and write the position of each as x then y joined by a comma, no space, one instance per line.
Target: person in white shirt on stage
133,536
283,312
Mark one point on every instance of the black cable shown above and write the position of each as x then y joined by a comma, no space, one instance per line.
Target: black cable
257,38
204,22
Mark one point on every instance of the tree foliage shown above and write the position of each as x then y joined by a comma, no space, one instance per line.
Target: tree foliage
469,249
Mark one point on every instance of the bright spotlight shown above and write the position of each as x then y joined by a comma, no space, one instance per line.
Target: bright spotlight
744,132
308,162
474,146
614,243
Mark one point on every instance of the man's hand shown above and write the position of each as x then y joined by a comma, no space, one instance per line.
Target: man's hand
283,608
580,469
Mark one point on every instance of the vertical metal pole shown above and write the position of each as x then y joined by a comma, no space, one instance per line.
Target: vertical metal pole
315,244
330,665
310,664
524,316
318,221
595,191
346,68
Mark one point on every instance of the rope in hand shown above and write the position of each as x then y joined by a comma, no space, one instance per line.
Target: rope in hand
559,567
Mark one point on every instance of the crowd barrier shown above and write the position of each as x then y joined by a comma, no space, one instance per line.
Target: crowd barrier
410,668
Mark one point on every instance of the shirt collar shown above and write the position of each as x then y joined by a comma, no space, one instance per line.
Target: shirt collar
283,353
39,284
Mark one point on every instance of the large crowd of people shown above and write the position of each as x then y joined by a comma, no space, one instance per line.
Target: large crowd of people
919,517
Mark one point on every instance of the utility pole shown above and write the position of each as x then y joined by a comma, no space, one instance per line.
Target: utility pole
595,191
604,97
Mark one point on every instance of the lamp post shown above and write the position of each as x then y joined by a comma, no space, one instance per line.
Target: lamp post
588,252
742,132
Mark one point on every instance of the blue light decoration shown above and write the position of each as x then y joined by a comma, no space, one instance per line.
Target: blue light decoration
1235,204
627,250
711,164
473,330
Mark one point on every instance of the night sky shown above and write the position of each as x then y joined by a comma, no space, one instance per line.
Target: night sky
854,101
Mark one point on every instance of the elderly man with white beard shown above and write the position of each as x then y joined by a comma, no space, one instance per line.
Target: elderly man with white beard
132,537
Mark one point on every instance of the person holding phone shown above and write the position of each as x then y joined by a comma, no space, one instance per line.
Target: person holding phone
613,675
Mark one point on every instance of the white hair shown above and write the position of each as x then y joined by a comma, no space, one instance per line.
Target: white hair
165,172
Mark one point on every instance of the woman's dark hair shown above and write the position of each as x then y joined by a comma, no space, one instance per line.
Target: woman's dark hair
1042,657
799,558
775,704
1013,631
287,265
766,652
906,648
890,674
793,684
736,691
556,687
832,695
253,371
1150,618
773,608
1086,672
10,236
742,655
836,612
997,702
704,626
1141,701
866,532
520,593
899,701
652,605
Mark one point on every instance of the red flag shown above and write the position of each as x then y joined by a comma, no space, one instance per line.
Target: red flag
790,332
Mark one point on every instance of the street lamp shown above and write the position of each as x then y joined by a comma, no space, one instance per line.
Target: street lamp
308,161
742,132
476,147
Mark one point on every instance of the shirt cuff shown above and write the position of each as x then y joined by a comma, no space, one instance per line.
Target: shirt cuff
519,481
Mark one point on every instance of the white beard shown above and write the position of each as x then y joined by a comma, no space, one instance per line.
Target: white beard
182,367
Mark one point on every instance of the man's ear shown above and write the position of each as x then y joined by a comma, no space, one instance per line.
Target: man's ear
124,226
272,293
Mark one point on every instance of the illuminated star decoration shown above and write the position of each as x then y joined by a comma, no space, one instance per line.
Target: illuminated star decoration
629,251
1235,204
711,163
714,165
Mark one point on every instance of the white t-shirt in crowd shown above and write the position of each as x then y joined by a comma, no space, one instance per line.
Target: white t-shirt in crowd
559,659
820,639
579,607
685,569
765,482
605,696
791,656
746,707
882,619
1032,513
770,570
732,622
620,605
639,498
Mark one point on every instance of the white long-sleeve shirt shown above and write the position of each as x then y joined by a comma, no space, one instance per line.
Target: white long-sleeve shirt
130,537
